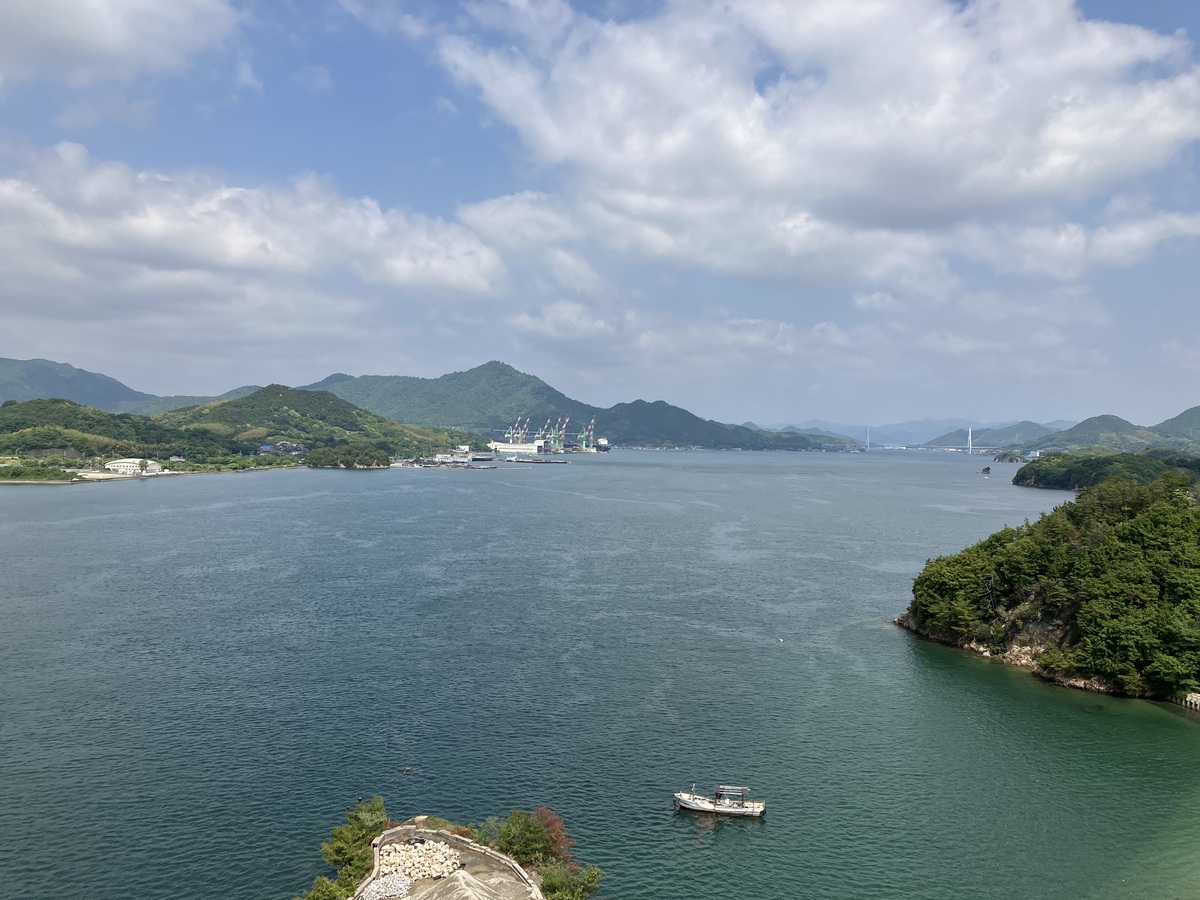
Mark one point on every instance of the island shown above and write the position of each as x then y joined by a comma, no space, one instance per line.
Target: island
525,857
1080,469
1102,593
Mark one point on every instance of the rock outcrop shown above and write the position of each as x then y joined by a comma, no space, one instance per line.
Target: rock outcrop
1022,648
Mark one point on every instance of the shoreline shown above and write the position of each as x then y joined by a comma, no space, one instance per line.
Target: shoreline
1023,656
108,477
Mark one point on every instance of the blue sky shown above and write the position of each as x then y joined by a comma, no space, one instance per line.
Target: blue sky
778,211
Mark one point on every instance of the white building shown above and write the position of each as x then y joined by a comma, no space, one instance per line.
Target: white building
133,467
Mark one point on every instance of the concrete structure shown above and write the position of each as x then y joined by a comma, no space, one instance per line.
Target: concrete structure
133,467
485,873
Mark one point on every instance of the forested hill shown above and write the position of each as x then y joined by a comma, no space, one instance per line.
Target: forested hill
659,424
53,424
482,400
490,398
1109,432
317,418
1102,592
214,430
40,379
1072,471
160,405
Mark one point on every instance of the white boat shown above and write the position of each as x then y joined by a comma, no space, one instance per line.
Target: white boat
726,800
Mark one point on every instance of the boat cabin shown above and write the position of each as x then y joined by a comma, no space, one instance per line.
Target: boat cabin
731,793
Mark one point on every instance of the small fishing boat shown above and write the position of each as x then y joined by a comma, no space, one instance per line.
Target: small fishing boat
726,800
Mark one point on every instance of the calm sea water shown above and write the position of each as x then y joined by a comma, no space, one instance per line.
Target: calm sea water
199,675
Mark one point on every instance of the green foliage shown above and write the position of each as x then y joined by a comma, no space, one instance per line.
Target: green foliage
34,473
224,435
46,424
1116,573
559,882
525,839
1109,432
539,840
316,418
535,839
349,851
1073,471
488,833
348,456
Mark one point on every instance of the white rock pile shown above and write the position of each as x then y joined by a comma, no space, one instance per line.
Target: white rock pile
387,887
423,859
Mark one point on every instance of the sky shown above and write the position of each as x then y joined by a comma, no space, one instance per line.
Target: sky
767,210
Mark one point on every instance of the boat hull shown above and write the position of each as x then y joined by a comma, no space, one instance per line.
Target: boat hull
720,807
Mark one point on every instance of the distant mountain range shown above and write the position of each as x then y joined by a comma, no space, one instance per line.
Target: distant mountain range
485,400
213,432
37,379
491,398
1020,434
939,433
1180,433
160,405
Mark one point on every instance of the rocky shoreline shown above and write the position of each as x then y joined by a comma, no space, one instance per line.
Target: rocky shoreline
1023,650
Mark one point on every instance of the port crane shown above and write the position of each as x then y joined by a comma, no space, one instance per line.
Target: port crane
587,437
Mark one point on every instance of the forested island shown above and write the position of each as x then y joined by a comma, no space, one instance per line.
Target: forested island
1101,593
1072,471
537,841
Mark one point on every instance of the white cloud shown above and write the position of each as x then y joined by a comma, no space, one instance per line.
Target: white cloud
1068,250
84,44
386,16
522,220
316,78
835,141
565,321
244,77
572,271
880,300
81,219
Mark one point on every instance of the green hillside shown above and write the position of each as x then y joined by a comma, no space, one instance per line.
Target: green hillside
1072,471
214,432
54,424
36,379
181,401
317,418
1110,432
1102,593
486,399
659,424
490,398
1184,425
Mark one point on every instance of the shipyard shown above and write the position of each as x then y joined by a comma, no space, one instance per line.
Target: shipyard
549,439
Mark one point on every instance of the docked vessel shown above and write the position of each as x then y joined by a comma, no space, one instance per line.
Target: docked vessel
726,800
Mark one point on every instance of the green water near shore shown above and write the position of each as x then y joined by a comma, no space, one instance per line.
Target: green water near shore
197,677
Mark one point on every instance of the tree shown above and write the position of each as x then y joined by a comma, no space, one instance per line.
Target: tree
349,851
1115,575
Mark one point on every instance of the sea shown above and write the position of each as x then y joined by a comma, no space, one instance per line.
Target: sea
200,675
